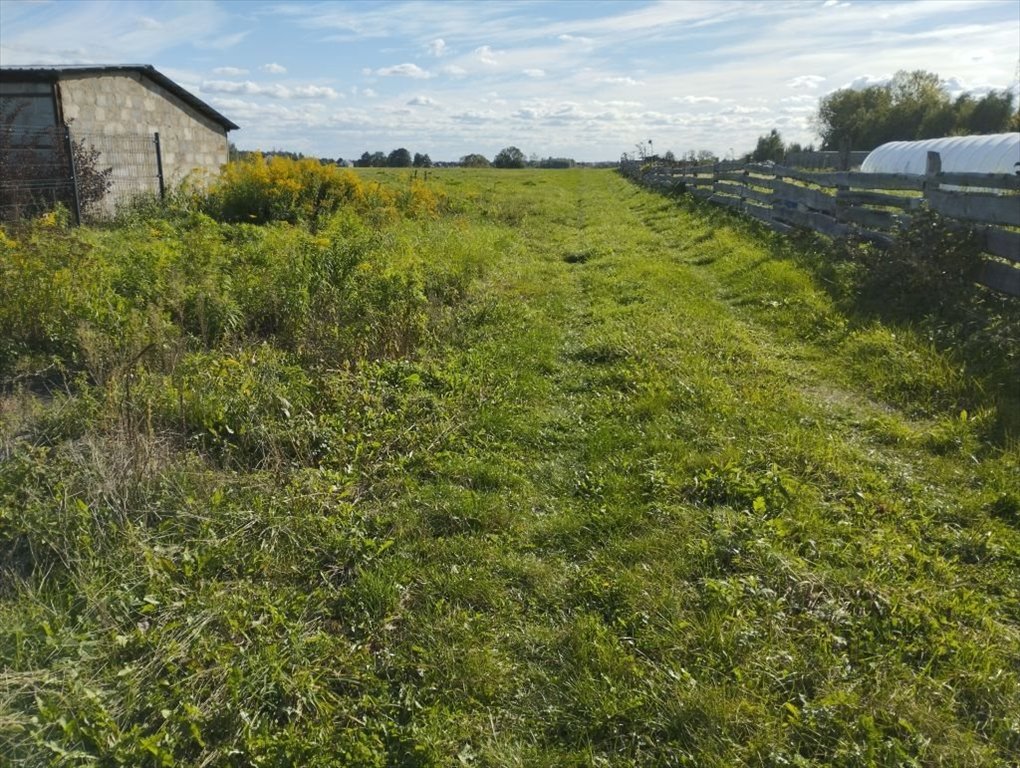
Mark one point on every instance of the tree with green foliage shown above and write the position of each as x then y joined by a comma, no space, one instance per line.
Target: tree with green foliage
913,105
556,162
421,161
474,161
769,148
399,158
509,157
371,160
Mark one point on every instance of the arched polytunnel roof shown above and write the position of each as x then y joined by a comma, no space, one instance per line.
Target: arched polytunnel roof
996,153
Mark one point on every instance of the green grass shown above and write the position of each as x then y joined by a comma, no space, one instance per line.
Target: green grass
624,487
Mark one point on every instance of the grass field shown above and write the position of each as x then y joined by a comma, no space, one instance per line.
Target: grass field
563,473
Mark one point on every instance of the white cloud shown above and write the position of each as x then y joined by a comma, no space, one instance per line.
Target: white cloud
230,71
273,68
574,39
437,47
485,55
222,41
404,70
619,81
805,81
696,99
866,81
454,71
274,90
475,117
314,92
535,73
422,101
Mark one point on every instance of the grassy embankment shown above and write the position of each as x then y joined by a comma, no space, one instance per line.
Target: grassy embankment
557,473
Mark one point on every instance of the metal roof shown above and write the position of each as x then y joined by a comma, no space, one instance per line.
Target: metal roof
51,74
995,153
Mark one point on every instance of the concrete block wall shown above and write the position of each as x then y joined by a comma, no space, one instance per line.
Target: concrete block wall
128,104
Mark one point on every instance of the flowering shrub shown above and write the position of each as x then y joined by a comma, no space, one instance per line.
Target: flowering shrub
257,190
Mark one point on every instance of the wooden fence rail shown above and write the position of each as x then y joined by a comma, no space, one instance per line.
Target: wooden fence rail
868,206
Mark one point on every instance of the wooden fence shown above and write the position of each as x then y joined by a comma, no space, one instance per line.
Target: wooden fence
867,206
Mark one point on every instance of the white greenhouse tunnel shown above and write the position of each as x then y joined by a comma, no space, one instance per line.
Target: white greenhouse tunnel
996,153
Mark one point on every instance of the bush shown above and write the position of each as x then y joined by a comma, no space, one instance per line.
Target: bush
257,190
930,268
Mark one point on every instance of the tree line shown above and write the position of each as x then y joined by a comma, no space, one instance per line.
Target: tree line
910,107
508,157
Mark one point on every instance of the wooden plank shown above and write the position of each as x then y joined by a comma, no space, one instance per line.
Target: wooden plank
729,188
708,169
731,175
817,222
971,206
732,202
1000,277
764,215
812,198
1003,243
692,179
762,196
853,197
985,180
812,177
872,219
862,180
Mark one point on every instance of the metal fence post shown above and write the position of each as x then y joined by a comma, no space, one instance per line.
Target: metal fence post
75,197
159,166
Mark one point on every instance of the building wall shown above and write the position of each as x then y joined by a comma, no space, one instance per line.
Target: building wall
103,109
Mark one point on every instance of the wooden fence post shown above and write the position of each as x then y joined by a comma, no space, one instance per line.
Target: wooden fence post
932,168
844,155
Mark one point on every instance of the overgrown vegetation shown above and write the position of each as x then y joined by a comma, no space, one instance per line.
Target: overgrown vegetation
551,472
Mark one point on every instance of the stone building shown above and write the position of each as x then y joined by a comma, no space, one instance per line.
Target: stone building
118,111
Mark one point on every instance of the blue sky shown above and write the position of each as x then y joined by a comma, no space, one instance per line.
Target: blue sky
583,79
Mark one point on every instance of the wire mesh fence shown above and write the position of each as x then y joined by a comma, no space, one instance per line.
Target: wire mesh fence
133,161
35,173
90,174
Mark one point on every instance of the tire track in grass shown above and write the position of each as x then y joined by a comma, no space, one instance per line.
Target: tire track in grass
661,551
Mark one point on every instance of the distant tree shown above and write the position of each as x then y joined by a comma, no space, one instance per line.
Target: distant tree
706,156
510,157
399,158
769,147
913,105
990,114
556,162
474,161
669,157
422,161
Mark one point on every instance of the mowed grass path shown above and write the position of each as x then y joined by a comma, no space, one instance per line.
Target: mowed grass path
643,497
700,518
